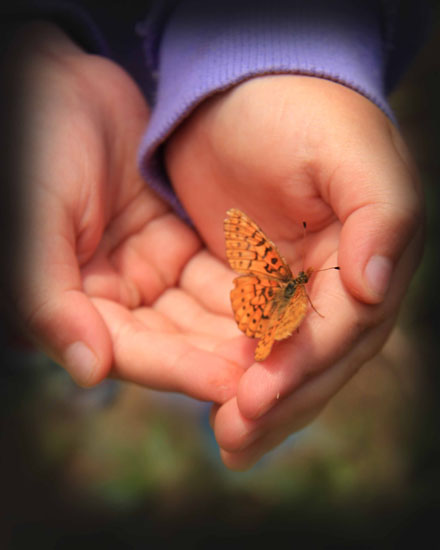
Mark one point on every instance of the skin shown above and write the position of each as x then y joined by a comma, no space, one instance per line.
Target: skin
337,162
111,283
106,275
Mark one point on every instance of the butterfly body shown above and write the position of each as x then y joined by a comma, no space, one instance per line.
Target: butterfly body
268,302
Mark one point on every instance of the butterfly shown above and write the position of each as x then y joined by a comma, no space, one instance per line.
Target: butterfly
268,302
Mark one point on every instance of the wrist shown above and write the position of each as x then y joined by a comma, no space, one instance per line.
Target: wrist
209,52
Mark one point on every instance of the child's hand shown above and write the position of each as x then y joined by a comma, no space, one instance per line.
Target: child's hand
287,149
107,277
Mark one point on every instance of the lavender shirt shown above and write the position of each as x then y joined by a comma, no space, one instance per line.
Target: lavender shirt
198,48
194,48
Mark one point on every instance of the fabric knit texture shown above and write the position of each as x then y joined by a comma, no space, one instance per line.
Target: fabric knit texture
199,48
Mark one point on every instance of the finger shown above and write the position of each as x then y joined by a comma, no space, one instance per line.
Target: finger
154,320
381,210
156,255
244,460
320,341
144,251
57,314
210,281
212,341
186,313
344,330
166,361
244,442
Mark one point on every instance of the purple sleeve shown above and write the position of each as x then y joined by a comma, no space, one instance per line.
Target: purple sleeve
200,48
193,49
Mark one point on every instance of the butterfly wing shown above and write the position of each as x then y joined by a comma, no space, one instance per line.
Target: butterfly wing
261,308
293,313
248,249
284,319
254,300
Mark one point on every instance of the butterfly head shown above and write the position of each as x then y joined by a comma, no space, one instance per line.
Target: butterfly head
304,276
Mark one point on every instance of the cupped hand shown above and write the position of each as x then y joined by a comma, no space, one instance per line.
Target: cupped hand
288,149
107,279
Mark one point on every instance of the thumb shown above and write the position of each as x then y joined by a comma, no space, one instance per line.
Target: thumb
72,332
381,211
57,314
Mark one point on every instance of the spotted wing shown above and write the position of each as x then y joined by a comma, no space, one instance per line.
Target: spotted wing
254,299
284,319
248,249
293,314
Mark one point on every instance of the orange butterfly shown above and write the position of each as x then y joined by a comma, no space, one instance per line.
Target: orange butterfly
267,301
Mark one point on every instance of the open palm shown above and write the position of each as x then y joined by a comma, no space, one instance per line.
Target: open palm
109,280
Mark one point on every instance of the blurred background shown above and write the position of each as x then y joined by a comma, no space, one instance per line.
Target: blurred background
122,466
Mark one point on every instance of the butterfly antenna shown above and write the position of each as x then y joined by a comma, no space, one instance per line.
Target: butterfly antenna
303,251
327,268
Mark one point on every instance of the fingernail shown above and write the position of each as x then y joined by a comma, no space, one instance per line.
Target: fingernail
378,274
80,362
267,406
